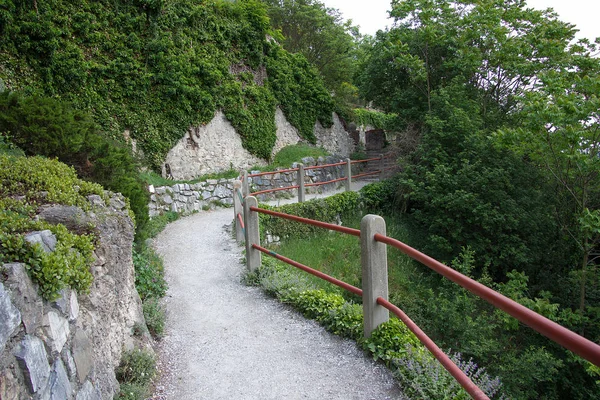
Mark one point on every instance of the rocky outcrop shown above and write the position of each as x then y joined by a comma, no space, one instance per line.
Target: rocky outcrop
69,348
217,147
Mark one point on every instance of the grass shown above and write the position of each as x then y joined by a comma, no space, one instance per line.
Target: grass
152,178
338,255
295,153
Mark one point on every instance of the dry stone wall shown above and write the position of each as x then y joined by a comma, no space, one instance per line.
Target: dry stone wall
217,147
187,198
69,348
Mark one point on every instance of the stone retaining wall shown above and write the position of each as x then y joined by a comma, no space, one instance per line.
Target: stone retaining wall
186,198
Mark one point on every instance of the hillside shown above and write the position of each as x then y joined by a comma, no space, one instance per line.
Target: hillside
156,68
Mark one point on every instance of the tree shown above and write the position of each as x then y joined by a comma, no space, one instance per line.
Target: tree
560,132
320,34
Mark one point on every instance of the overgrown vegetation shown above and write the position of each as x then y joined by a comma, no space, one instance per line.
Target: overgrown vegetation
157,68
295,153
26,184
136,370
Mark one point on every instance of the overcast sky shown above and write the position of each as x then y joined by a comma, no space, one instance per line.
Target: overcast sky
371,15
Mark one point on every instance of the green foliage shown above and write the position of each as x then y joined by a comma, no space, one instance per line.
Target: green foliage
314,304
157,224
154,314
157,68
8,148
375,119
149,274
38,181
380,196
327,209
319,33
296,152
137,367
48,127
390,341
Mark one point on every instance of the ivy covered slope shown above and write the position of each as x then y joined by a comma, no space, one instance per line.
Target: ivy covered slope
156,68
26,184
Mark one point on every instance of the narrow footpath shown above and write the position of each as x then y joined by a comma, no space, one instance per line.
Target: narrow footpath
225,340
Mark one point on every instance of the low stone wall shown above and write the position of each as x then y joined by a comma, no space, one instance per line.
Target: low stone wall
186,198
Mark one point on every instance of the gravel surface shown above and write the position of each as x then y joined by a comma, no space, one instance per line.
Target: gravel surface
225,340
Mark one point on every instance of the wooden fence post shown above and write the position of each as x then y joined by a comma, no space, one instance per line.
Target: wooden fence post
300,183
238,211
374,272
245,184
253,256
348,175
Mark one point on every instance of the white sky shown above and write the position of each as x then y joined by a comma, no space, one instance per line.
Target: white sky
371,15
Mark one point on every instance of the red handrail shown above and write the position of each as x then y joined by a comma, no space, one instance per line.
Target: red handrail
367,160
274,190
366,174
325,183
332,227
281,171
559,334
442,357
324,166
319,274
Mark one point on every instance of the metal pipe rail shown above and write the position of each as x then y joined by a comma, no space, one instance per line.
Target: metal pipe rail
331,227
363,161
318,274
557,333
442,357
324,166
281,171
325,183
366,174
274,190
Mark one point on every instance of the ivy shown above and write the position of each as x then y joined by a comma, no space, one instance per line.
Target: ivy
156,68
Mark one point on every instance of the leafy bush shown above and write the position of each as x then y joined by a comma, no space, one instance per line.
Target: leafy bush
38,180
137,368
375,119
296,152
149,274
328,209
154,315
48,127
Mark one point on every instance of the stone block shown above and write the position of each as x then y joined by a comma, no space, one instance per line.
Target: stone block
96,200
69,361
60,387
88,392
151,189
175,188
160,190
45,238
73,306
10,317
117,204
57,330
33,360
167,199
82,354
25,296
206,195
222,192
212,182
187,187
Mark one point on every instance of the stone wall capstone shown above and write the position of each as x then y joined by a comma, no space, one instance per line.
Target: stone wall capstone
69,348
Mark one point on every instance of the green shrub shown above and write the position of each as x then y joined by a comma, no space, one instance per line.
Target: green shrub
137,367
376,119
130,391
48,127
328,209
154,315
157,224
314,304
149,274
38,180
390,341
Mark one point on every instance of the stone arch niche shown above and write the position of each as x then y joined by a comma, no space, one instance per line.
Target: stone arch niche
375,139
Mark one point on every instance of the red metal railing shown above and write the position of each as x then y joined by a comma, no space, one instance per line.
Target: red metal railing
316,167
559,334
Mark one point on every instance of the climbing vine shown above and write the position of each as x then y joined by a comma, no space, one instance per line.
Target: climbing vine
156,68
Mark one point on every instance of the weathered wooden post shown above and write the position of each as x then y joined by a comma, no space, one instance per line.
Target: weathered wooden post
348,175
374,272
238,213
253,256
300,183
245,184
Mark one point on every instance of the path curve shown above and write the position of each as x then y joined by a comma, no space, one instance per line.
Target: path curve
225,340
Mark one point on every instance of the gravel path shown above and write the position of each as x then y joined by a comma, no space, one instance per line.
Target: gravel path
228,341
